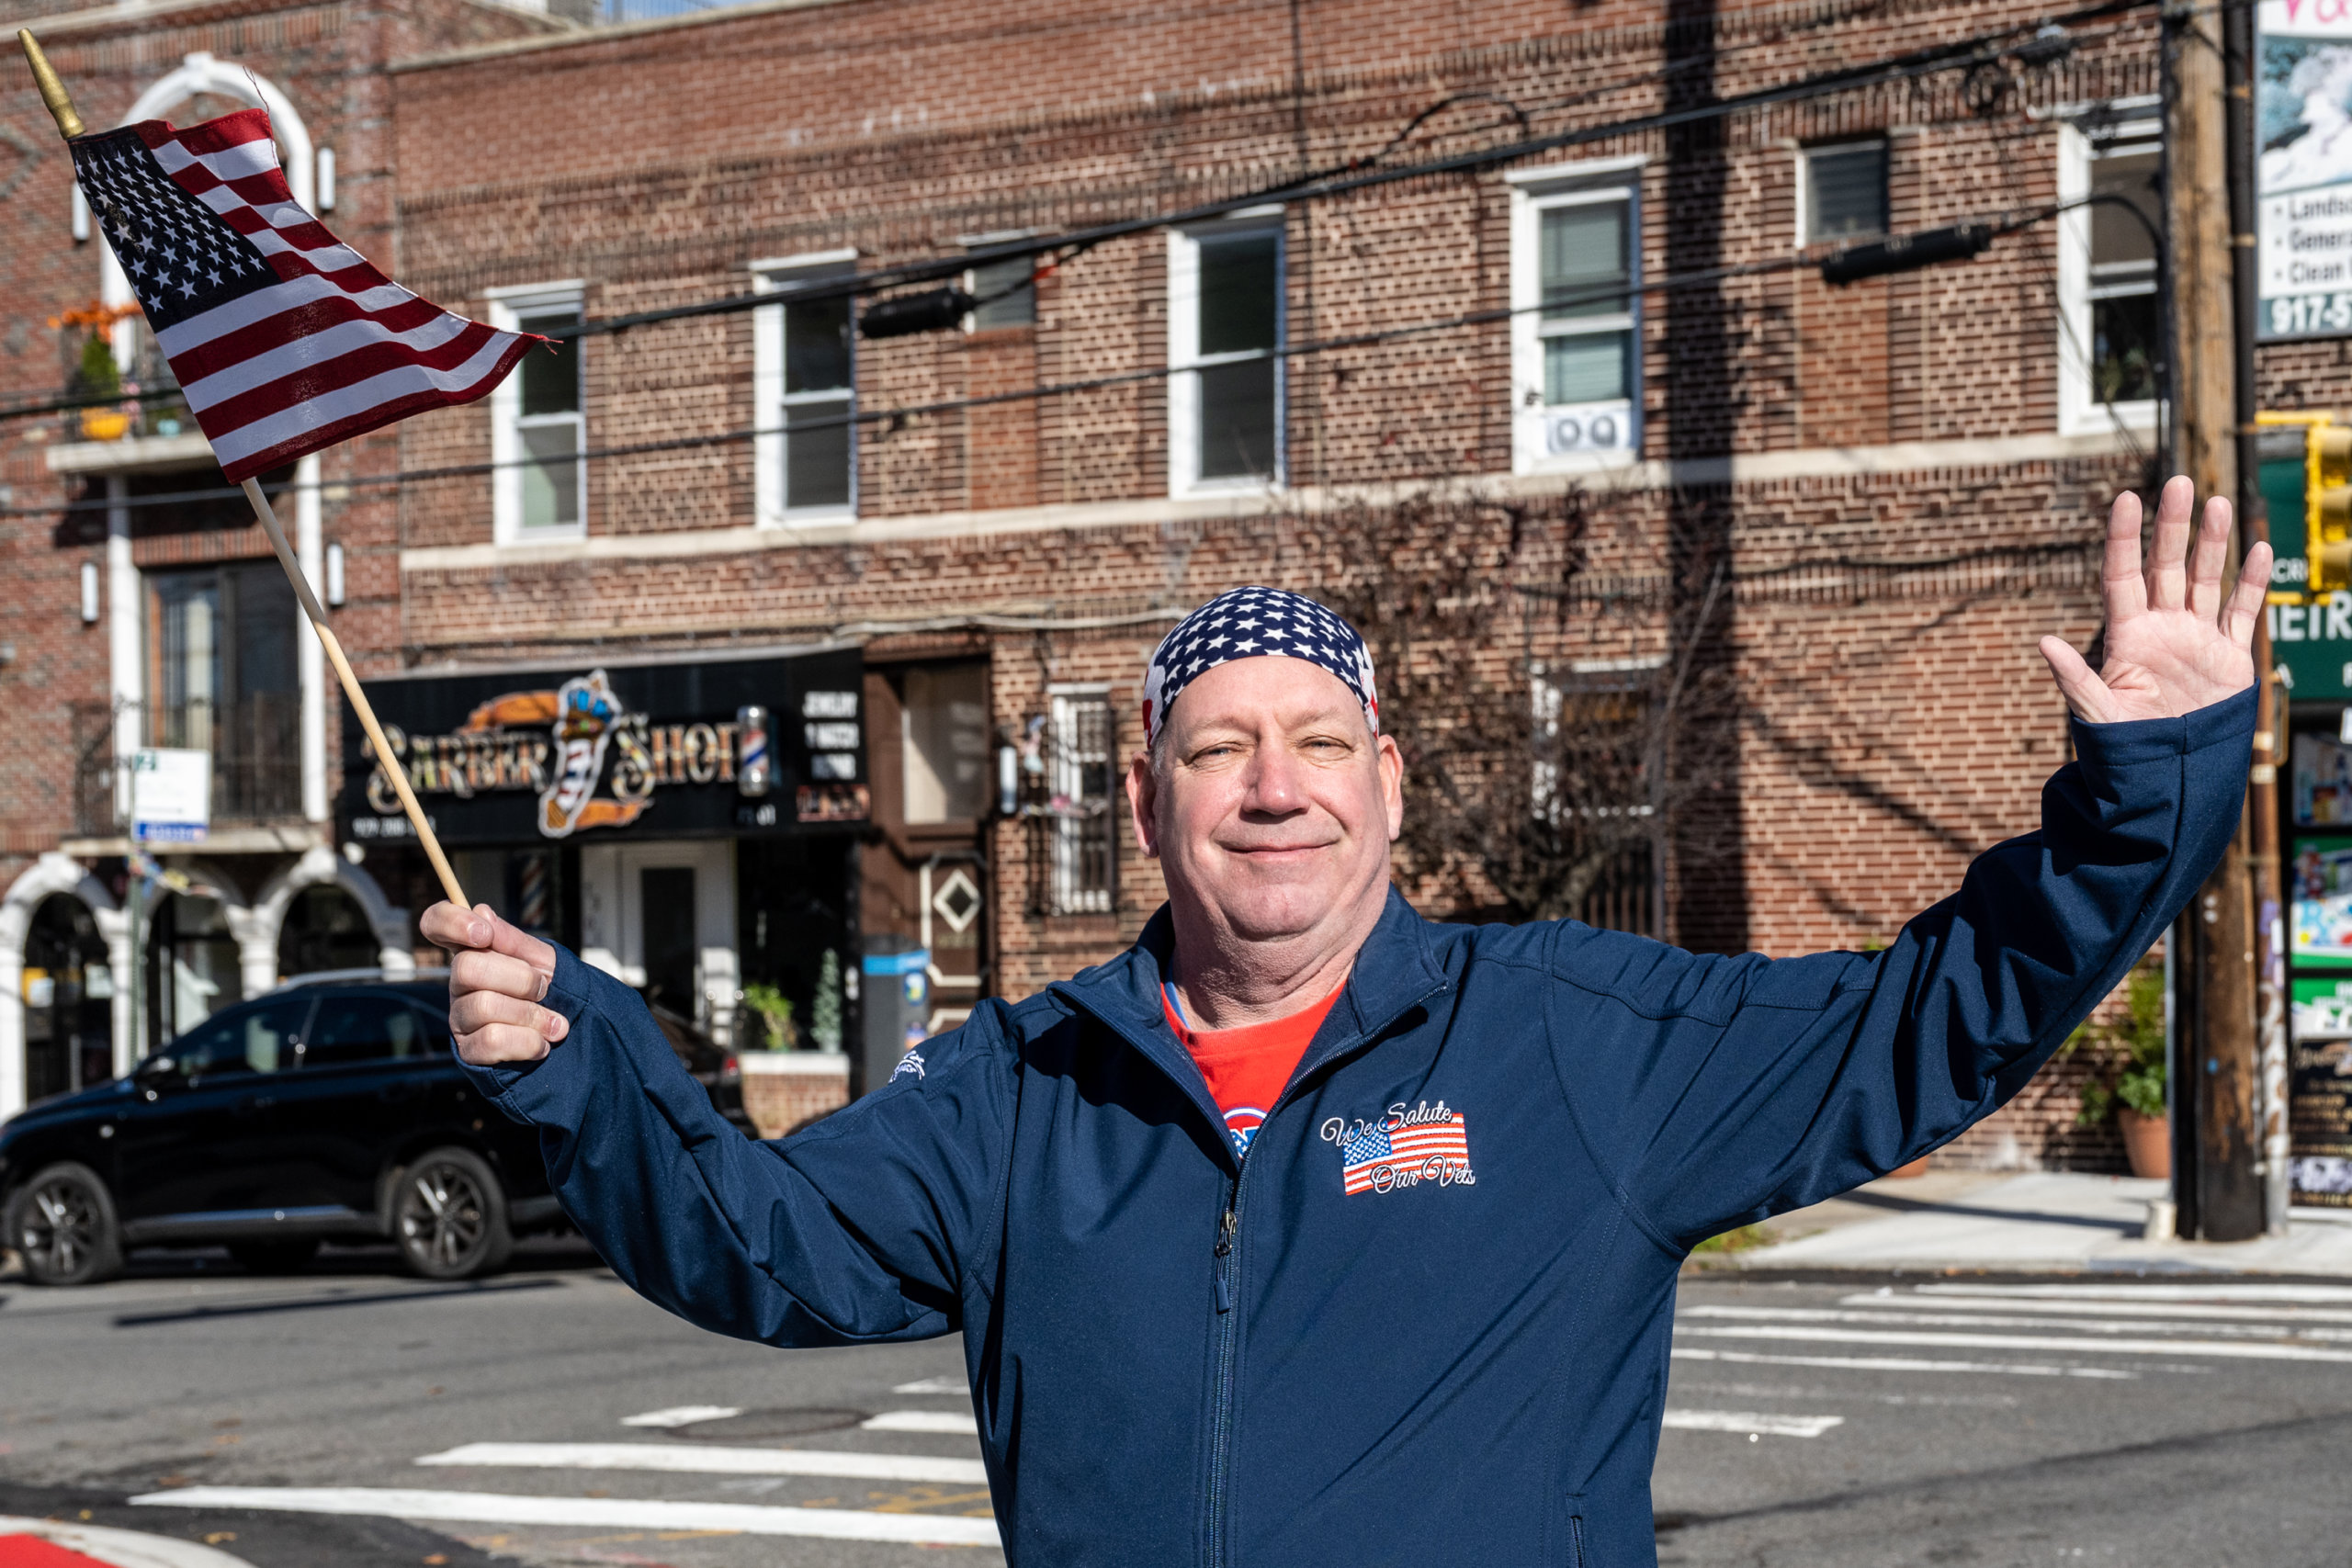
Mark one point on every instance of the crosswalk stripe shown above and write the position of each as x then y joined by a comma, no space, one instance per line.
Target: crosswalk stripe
1754,1424
2315,1294
947,1422
587,1513
1970,1320
2184,1311
1901,1364
702,1459
955,1385
2033,1342
683,1416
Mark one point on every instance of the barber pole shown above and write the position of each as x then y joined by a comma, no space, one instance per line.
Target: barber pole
753,773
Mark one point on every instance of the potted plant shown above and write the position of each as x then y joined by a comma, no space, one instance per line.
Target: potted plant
2135,1097
94,373
767,1012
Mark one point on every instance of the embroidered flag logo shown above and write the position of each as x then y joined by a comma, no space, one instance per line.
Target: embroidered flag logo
1403,1148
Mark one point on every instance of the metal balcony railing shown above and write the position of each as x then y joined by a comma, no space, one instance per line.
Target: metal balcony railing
256,757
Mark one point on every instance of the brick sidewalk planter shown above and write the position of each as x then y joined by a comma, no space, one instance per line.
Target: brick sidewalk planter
786,1090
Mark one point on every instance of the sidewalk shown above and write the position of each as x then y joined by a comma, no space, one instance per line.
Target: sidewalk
2045,1222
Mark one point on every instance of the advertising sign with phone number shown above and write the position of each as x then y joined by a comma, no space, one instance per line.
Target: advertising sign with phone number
2303,112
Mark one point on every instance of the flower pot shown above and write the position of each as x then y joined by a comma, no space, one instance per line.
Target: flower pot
2147,1142
104,424
1917,1167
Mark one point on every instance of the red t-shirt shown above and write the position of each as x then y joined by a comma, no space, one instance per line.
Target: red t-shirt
1248,1068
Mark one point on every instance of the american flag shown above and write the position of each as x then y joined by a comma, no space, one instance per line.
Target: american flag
285,339
1403,1150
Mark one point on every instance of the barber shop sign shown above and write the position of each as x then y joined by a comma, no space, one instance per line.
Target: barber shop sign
721,748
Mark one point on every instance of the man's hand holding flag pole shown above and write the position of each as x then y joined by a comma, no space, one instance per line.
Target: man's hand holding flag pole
284,340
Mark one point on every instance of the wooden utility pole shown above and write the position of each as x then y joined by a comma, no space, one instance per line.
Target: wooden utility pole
2216,1082
2239,37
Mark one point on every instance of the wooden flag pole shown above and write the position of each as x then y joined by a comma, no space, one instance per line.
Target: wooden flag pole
384,758
69,125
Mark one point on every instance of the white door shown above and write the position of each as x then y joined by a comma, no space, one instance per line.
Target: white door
660,916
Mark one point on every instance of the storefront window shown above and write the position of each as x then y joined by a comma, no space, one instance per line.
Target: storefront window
69,1034
325,929
2319,890
192,968
945,730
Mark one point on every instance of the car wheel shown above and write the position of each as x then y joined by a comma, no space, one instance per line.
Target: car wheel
449,1216
273,1257
61,1223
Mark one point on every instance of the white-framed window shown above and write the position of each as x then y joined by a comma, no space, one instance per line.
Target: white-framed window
804,384
1225,313
1083,779
538,421
1841,192
2110,321
1576,315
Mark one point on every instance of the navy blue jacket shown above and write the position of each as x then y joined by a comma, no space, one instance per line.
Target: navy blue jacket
1177,1357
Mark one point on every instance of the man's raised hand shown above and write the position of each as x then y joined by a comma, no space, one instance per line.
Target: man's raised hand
2174,643
497,975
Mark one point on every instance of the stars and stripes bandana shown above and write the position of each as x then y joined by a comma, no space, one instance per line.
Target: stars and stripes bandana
285,339
1249,622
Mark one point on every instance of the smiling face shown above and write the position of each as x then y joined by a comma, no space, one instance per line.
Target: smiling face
1273,809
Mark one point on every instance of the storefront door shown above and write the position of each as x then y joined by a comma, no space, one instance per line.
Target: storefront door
662,917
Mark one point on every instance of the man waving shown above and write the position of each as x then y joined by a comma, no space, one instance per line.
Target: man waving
1307,1225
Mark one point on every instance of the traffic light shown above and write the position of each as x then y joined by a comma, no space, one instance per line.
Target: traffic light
2328,505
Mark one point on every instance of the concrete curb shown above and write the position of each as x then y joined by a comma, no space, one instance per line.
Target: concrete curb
122,1548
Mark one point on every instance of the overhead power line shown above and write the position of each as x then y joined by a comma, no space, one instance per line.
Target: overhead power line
1958,54
1982,48
1672,283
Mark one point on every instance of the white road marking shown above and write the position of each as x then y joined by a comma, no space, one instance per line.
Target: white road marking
2317,1295
587,1513
683,1416
1850,1396
936,1385
1907,1364
2036,1342
1752,1424
2090,1308
703,1460
946,1421
2279,1334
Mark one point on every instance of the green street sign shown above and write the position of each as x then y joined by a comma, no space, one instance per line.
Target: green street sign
2314,640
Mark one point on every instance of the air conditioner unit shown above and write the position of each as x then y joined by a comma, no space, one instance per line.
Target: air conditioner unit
1588,430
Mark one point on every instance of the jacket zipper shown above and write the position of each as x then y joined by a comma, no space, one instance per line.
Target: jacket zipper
1229,1231
1228,1228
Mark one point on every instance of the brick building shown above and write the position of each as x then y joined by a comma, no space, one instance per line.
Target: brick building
135,621
1620,415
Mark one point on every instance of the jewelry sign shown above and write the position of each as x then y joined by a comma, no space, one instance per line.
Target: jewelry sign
2303,123
710,747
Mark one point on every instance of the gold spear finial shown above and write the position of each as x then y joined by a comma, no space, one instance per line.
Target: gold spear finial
53,91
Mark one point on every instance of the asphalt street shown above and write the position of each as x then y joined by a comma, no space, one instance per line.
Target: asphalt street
354,1417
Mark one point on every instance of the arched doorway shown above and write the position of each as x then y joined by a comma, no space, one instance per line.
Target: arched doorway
68,997
326,927
192,965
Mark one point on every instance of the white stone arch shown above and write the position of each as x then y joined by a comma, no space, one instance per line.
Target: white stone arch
254,934
203,73
51,873
320,865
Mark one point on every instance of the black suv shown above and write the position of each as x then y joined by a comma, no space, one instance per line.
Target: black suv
329,1109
